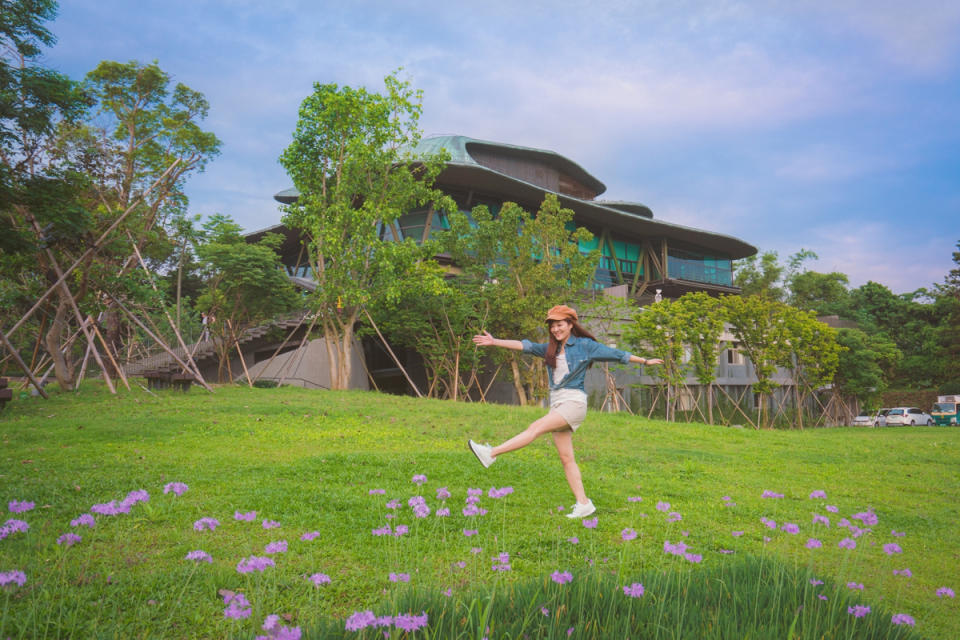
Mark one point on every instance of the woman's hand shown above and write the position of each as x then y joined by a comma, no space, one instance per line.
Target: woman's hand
654,361
483,340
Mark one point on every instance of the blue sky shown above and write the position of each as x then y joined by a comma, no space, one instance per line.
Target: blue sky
828,125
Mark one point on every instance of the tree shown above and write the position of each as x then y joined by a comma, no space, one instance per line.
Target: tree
758,325
812,356
760,276
656,331
864,365
824,293
700,320
351,159
522,265
245,283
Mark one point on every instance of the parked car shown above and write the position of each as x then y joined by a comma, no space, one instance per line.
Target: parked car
880,420
908,416
863,420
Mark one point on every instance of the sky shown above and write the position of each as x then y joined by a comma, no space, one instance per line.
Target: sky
830,125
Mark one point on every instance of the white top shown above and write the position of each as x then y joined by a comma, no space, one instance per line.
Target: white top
564,395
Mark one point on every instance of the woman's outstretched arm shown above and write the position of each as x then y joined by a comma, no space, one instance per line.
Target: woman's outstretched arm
486,340
641,360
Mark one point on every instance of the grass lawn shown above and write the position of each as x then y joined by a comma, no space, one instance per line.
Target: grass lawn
330,463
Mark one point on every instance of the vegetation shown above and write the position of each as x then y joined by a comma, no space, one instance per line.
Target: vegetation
317,461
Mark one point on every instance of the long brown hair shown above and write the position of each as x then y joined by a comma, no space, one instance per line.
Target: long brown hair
554,345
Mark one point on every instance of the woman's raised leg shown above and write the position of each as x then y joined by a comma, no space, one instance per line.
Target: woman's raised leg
551,422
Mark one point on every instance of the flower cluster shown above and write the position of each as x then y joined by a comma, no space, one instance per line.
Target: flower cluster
406,622
206,523
501,562
68,539
176,488
280,546
254,563
277,632
249,516
19,506
238,607
199,556
85,520
14,576
634,590
561,577
499,493
12,526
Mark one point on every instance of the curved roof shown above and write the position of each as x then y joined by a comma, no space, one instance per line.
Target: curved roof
628,218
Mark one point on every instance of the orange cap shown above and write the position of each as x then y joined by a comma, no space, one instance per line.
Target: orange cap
561,312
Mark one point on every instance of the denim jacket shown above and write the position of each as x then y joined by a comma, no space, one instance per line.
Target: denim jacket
580,353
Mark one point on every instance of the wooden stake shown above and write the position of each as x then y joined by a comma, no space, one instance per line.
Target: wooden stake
392,355
23,365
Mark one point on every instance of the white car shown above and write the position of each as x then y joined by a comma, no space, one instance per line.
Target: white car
880,420
863,420
908,416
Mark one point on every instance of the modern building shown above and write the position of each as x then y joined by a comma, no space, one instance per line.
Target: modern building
639,252
642,257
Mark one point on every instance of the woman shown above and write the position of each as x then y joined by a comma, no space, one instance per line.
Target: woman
568,354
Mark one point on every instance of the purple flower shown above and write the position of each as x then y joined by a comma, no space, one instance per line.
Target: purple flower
410,623
945,591
634,499
319,579
140,495
903,572
677,549
12,526
821,519
461,564
499,493
17,506
176,488
663,506
11,577
501,562
897,534
206,523
399,577
280,546
110,508
628,534
847,543
573,540
902,618
855,585
443,512
199,556
310,535
382,531
253,563
470,532
419,479
421,511
736,534
545,611
791,528
590,523
858,611
813,543
360,620
815,582
819,493
249,516
634,590
693,557
673,516
375,492
771,494
892,548
400,530
393,504
270,524
238,606
85,520
726,498
769,523
442,493
831,508
68,539
570,631
868,517
561,577
725,551
821,596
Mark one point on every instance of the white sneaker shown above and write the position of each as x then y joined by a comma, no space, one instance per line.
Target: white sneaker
581,510
482,451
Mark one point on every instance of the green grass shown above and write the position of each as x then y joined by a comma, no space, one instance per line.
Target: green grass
308,460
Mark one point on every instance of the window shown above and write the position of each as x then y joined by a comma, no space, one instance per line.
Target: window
734,356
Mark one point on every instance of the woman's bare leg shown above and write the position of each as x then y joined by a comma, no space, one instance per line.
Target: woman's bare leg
546,424
564,443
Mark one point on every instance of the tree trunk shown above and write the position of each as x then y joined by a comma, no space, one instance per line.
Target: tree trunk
710,403
518,382
63,365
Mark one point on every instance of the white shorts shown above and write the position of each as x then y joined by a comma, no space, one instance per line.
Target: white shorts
573,410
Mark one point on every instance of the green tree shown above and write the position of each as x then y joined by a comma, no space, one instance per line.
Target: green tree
812,356
656,330
700,320
522,265
245,284
758,325
352,162
864,365
824,293
760,276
